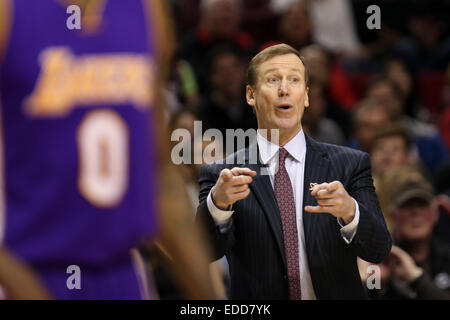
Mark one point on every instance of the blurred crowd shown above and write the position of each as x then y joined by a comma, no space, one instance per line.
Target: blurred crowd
384,91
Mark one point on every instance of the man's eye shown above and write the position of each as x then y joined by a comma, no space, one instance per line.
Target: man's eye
273,79
294,79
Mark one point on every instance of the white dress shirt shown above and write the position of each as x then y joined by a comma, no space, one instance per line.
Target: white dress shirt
295,166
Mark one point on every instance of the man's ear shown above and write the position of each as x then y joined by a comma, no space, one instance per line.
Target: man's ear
307,97
250,95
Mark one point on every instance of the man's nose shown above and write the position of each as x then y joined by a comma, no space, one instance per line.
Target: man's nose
283,88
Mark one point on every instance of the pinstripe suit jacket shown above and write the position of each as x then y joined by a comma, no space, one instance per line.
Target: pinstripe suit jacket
253,242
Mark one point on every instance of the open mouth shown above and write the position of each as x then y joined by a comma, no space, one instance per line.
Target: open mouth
284,107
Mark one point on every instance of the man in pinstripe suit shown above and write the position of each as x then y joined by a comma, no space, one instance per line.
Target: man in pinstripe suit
296,232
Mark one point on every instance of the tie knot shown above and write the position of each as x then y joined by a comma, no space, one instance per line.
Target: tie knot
283,154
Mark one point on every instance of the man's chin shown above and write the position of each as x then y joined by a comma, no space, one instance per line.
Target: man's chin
287,125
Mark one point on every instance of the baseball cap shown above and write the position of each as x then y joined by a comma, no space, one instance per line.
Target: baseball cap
407,185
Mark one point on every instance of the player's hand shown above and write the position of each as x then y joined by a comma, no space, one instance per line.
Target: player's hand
232,186
334,199
404,266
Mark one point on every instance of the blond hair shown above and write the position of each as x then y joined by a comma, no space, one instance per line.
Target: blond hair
267,54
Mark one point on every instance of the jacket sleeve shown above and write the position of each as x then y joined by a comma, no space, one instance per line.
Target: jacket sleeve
222,239
372,241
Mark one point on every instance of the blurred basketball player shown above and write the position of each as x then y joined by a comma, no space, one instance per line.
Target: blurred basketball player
83,161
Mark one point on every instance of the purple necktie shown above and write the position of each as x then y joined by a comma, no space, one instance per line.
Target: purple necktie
285,198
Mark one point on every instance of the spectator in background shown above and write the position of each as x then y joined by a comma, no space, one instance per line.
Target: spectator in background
446,89
415,31
418,266
431,148
428,44
396,70
336,87
224,105
190,173
220,23
181,91
332,77
156,253
295,27
319,63
185,120
391,148
315,123
442,185
186,14
444,126
444,121
369,116
388,93
259,19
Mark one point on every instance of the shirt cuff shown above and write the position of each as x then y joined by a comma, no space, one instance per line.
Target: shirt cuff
220,217
348,231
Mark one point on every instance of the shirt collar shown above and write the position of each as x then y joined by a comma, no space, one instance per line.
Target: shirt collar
296,147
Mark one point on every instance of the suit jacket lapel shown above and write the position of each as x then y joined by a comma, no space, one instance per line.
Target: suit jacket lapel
317,168
263,191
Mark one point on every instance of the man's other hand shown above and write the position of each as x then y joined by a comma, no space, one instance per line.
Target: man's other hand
334,199
232,186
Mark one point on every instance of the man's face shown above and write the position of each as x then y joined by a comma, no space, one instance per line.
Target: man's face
367,125
385,94
318,64
280,94
223,18
414,220
228,75
295,25
389,152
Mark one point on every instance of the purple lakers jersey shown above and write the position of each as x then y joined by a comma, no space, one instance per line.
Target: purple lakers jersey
78,148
